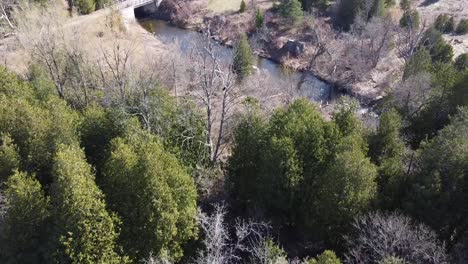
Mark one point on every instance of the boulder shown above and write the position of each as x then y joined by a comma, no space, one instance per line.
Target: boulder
294,48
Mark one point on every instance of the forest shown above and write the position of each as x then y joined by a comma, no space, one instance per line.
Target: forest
118,155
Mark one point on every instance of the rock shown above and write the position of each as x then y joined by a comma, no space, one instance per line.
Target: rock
294,48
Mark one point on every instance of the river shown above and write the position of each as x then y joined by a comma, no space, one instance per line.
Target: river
312,88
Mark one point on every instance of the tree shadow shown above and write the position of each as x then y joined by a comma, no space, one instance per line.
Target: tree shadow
428,2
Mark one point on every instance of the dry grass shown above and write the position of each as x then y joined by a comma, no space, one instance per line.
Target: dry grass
224,5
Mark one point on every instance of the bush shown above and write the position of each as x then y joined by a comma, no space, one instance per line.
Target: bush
410,19
243,7
461,62
462,27
444,23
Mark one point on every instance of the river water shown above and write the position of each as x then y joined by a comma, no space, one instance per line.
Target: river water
312,88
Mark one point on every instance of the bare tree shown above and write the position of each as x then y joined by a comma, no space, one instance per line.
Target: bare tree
215,86
220,247
378,236
407,40
413,94
5,8
114,66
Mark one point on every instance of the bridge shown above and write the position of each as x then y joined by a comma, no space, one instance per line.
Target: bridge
123,4
127,7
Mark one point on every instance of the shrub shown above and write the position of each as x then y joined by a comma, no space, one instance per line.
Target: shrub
444,23
461,62
410,19
462,27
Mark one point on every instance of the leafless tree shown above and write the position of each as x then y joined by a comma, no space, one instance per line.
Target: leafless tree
114,66
378,236
366,45
220,246
407,40
413,94
214,84
7,24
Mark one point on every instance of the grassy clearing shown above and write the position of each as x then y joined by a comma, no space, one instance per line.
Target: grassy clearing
224,5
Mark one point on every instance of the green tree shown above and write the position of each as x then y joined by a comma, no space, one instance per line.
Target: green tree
462,27
346,190
243,6
292,10
461,62
387,151
419,62
153,195
327,257
84,232
439,191
440,50
391,260
24,229
85,6
444,23
259,19
36,127
410,19
250,137
9,158
243,59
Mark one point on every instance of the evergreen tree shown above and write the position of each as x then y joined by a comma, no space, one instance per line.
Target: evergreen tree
346,190
24,231
462,27
440,50
84,232
249,141
327,257
420,61
9,158
387,150
259,20
439,191
243,6
292,10
461,62
410,19
243,58
85,6
153,195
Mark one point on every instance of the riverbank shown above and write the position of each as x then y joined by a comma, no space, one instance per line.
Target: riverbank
324,53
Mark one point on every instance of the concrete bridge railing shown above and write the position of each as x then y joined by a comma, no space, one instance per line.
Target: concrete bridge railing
121,4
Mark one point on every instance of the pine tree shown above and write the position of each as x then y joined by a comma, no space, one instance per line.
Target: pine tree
9,158
243,59
243,6
259,19
292,10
